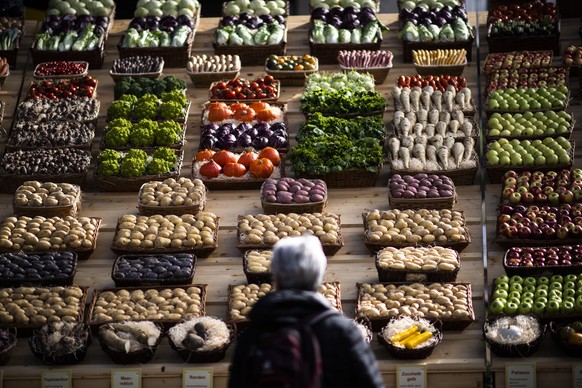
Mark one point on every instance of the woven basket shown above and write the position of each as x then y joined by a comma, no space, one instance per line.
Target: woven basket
164,323
328,249
365,323
310,207
146,210
327,53
276,85
422,203
347,178
514,351
451,70
447,323
567,135
499,44
406,275
496,173
255,277
43,281
199,251
246,182
493,85
291,77
126,147
146,282
93,57
546,270
571,350
141,356
174,57
123,184
214,355
376,246
411,354
408,47
65,359
379,73
205,79
119,76
11,182
489,59
254,55
85,64
6,353
460,177
49,211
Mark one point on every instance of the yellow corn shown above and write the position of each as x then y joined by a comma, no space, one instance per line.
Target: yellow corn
404,334
409,338
422,337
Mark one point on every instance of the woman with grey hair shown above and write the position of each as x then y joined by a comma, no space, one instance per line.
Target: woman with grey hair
298,265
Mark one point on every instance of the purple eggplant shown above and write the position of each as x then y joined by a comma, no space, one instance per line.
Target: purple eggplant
184,20
260,142
243,127
208,142
227,141
244,140
278,142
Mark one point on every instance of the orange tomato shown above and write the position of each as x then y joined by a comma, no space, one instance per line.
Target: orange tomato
219,114
259,106
210,170
262,168
247,158
246,115
204,155
266,115
272,154
234,170
224,157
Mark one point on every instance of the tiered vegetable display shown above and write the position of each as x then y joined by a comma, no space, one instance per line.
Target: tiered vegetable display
345,25
136,163
171,105
331,144
548,151
257,7
337,94
70,32
250,30
173,193
154,267
145,8
45,194
50,265
439,57
421,186
153,31
447,24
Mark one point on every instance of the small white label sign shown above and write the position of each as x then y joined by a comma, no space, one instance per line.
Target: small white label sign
577,375
197,378
56,379
520,375
411,377
126,378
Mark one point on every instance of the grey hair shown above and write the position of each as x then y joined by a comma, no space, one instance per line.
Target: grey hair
298,263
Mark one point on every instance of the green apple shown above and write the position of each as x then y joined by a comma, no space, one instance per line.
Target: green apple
569,285
542,299
557,278
529,281
501,294
553,307
539,307
527,294
541,293
578,304
515,287
497,306
514,300
516,279
502,286
555,285
529,288
511,308
567,307
525,307
504,279
570,278
514,295
568,292
555,295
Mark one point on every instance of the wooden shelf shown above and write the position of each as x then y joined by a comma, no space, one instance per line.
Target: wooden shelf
460,359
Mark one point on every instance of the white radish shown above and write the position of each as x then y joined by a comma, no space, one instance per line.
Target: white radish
405,127
429,130
398,116
469,144
396,95
425,100
404,154
441,128
405,99
418,129
433,116
448,141
437,100
467,128
407,142
419,152
436,140
458,115
415,100
443,154
458,151
431,154
394,145
454,127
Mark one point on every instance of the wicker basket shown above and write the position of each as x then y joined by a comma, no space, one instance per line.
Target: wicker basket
447,323
514,351
567,135
147,282
452,70
406,275
65,359
179,210
6,353
408,47
126,147
141,356
255,277
411,354
379,73
345,179
546,270
164,323
246,182
571,350
49,211
276,85
254,55
499,44
459,176
199,251
43,281
93,57
214,355
123,184
310,207
205,78
490,57
367,328
376,246
496,173
328,249
291,77
11,182
422,203
85,64
327,53
174,57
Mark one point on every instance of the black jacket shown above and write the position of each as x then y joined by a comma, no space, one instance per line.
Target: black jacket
348,361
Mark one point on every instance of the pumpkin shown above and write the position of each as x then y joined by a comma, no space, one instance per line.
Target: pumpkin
238,105
272,154
204,155
234,170
210,170
266,115
219,114
245,115
261,168
224,157
259,106
247,158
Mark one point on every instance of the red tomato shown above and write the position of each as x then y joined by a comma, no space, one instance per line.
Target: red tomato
262,168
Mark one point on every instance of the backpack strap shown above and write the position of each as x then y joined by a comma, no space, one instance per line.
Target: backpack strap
314,319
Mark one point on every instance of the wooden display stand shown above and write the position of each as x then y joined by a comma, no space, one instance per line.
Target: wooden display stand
459,361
